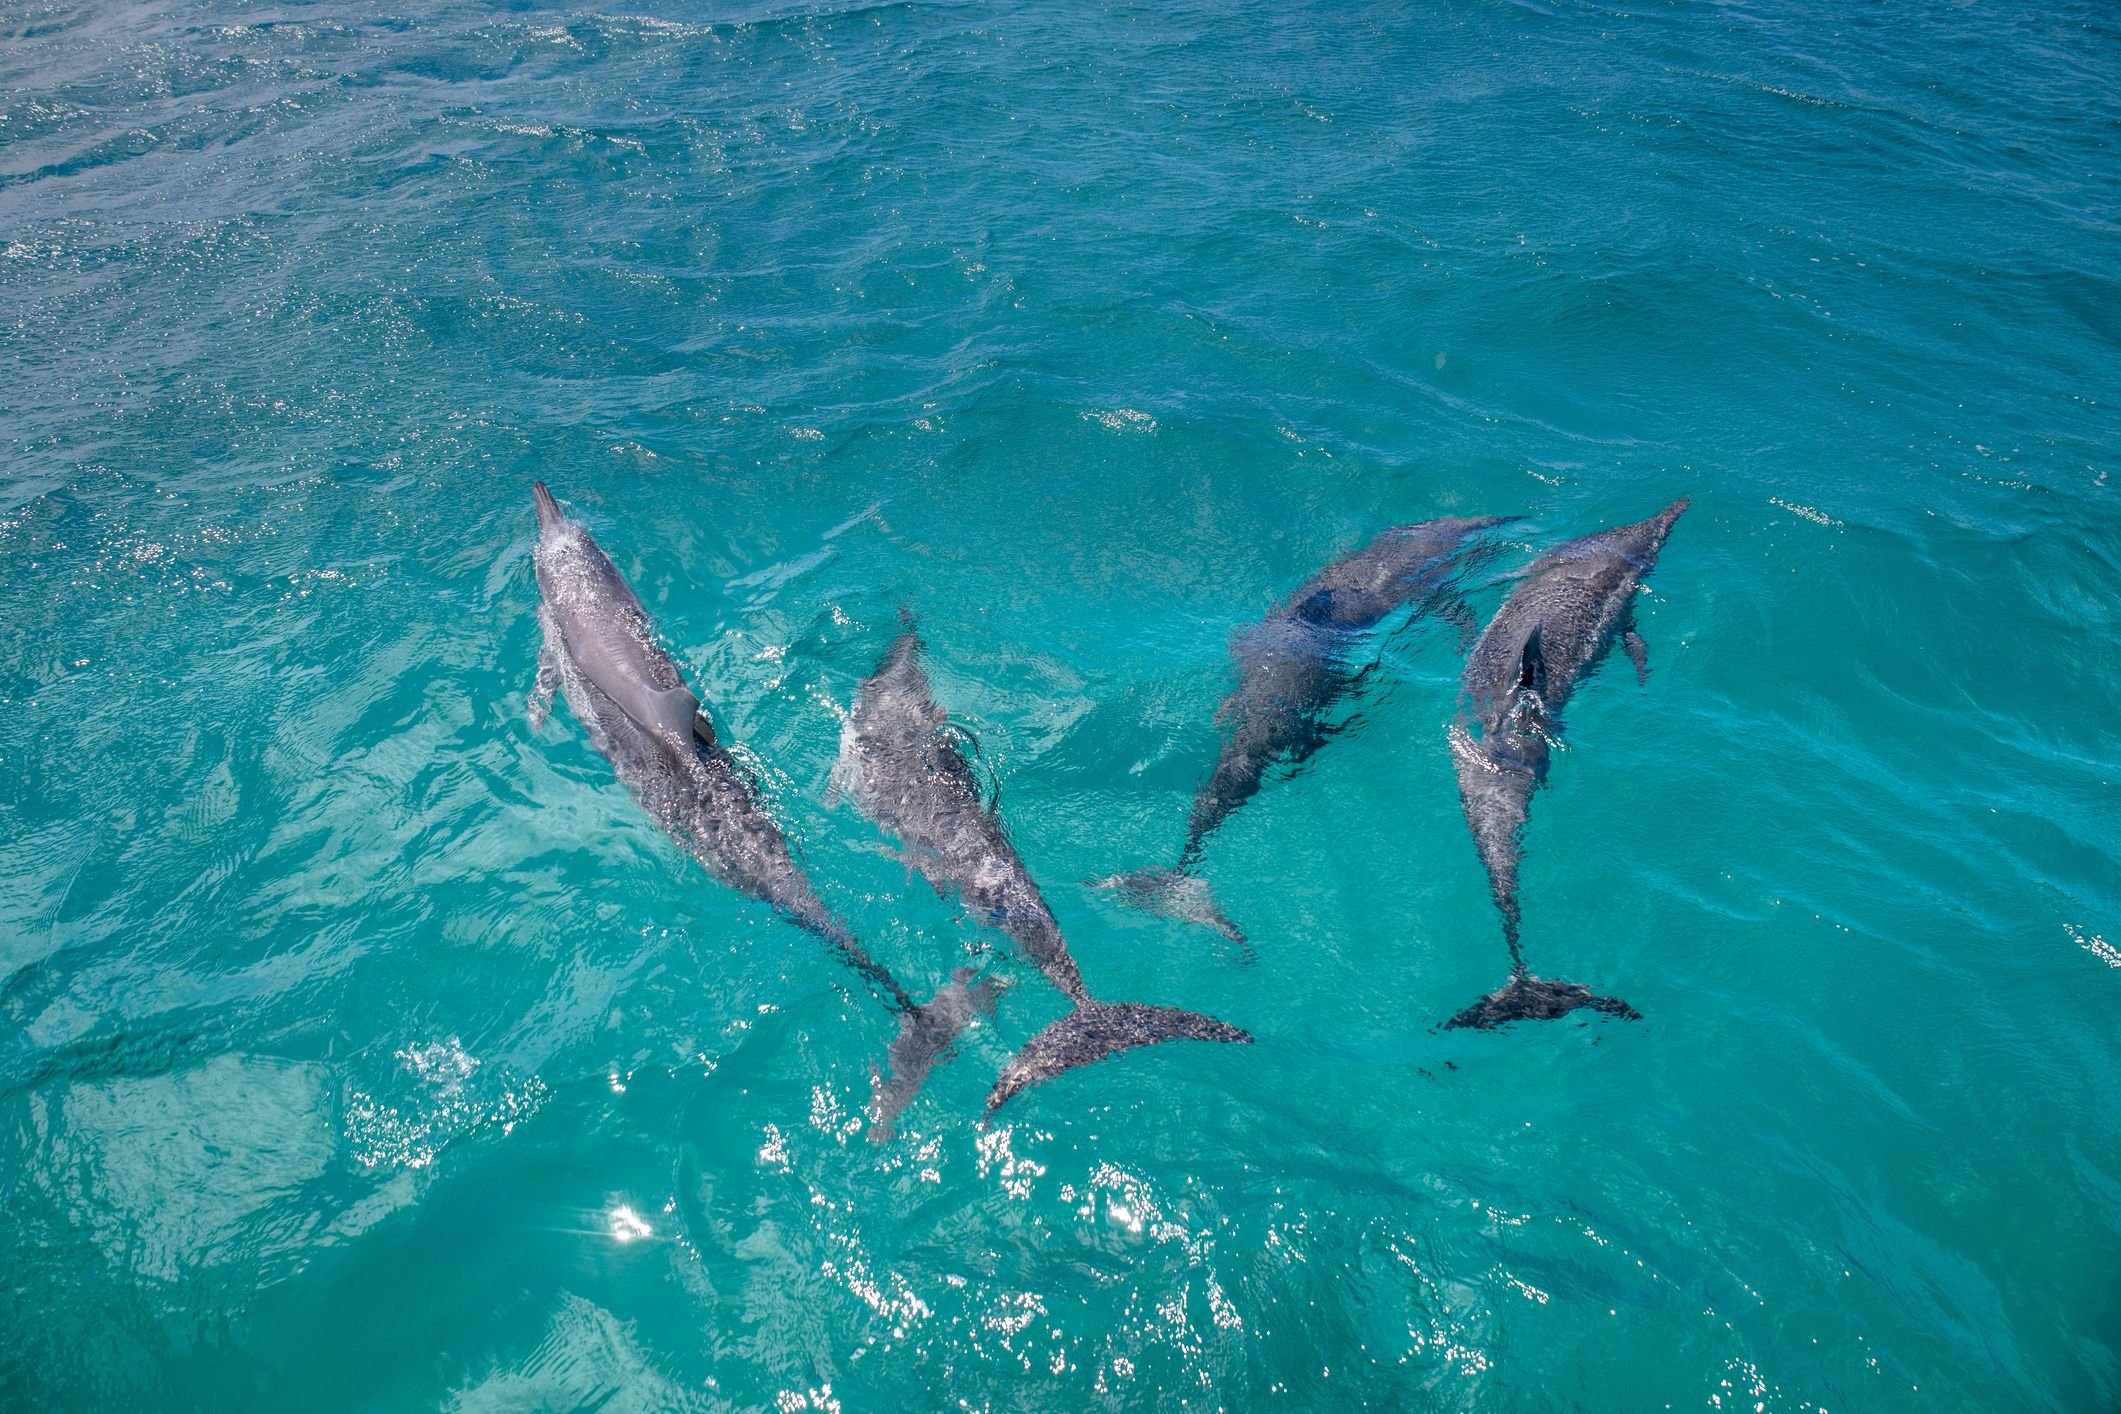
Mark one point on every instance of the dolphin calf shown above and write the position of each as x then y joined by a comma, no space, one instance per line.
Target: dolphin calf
1548,635
601,653
1290,669
905,772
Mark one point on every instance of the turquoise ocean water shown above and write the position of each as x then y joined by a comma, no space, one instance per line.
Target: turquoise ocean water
362,1047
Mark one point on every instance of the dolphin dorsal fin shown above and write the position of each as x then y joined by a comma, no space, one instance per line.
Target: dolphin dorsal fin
1532,666
675,712
1317,607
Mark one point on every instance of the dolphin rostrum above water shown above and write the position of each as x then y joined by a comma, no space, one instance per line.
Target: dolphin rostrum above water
601,652
1548,635
1290,670
904,770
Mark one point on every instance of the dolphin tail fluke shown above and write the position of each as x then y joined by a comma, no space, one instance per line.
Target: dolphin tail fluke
1095,1030
927,1035
1528,998
1175,893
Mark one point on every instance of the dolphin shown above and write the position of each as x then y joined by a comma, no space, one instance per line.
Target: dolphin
601,652
1290,669
1555,627
903,769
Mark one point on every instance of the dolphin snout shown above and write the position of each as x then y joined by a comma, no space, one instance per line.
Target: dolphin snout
549,515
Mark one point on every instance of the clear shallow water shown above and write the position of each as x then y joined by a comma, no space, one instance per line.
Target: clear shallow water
362,1048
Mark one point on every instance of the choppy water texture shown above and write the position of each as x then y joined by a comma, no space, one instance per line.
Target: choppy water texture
362,1047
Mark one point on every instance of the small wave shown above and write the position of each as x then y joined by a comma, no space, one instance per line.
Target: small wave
2094,944
1810,513
411,1133
1774,90
1121,420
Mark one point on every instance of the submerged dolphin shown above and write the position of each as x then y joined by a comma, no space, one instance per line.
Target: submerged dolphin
601,652
1289,671
1552,631
906,773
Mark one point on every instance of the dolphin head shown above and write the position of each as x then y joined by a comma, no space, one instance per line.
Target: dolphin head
558,545
1473,525
1660,525
1428,539
1641,541
1400,562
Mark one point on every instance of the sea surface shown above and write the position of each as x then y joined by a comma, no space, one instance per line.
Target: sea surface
364,1048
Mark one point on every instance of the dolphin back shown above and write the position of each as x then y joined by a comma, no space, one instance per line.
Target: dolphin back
1095,1030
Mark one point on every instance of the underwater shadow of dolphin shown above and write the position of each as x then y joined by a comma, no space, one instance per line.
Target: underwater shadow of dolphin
1290,670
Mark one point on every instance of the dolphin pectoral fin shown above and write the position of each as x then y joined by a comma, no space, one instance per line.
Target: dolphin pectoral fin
927,1036
1095,1030
920,860
904,858
1640,652
1174,893
541,690
882,851
1528,998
